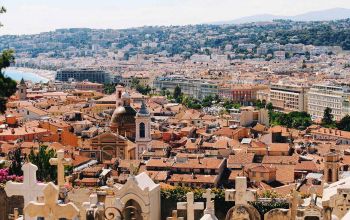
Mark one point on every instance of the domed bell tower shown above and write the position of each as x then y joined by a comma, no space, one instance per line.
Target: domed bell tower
143,130
119,91
331,166
22,90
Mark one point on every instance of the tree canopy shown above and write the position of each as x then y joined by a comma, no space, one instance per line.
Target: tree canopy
7,85
327,120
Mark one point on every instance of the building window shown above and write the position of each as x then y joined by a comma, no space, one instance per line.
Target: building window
142,130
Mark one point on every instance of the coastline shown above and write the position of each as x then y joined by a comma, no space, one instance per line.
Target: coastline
46,74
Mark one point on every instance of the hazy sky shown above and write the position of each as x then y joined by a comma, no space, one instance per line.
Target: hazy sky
34,16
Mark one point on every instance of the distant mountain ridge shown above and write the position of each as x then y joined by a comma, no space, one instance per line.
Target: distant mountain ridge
324,15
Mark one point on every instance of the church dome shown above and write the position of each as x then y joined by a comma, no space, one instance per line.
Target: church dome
123,115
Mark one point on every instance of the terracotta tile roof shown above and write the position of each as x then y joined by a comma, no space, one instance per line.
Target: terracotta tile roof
219,144
259,127
281,159
35,110
234,174
188,178
79,160
306,166
262,169
126,163
88,180
285,190
158,175
165,163
205,163
258,144
284,147
285,173
157,144
239,159
331,132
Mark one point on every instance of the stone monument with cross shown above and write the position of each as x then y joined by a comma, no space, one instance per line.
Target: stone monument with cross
60,162
209,212
286,214
30,189
295,202
241,196
93,207
174,216
50,209
190,206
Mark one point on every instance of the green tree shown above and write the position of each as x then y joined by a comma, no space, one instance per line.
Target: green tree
327,120
269,106
7,85
109,88
134,83
344,123
177,93
45,172
17,159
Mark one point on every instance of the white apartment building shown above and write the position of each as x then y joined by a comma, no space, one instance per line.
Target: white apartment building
196,88
332,96
289,98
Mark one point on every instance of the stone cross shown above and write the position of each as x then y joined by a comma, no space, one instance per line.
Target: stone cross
50,209
295,201
190,206
209,209
92,201
208,196
240,194
60,162
30,189
174,216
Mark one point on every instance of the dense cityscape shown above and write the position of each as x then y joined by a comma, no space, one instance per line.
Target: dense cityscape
210,121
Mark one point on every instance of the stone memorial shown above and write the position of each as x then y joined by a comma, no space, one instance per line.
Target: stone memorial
50,209
209,212
174,216
241,196
30,189
139,197
60,162
190,206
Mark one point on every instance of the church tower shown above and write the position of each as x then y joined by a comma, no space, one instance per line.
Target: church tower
22,90
119,91
331,167
143,130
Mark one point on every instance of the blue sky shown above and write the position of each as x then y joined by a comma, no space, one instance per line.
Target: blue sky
34,16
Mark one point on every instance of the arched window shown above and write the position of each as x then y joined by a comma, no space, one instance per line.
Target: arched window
330,176
119,94
142,130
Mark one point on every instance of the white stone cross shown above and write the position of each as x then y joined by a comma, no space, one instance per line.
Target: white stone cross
208,196
60,162
49,209
240,194
30,189
190,206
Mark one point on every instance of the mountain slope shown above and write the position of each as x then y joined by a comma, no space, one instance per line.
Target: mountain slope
325,15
